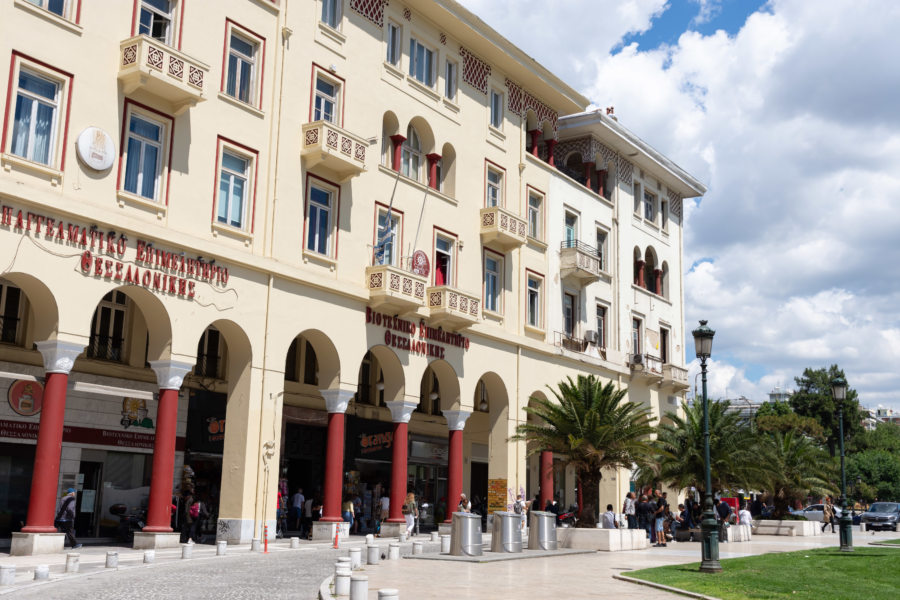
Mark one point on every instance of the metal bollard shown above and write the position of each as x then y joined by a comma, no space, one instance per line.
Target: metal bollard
187,550
149,555
388,594
355,559
342,582
373,553
41,573
295,543
72,562
435,536
221,547
112,560
445,544
7,574
417,548
394,551
255,546
402,538
359,587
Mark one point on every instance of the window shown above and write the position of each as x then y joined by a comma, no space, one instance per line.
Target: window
209,354
663,345
535,215
450,69
393,44
143,158
635,336
234,174
496,109
55,6
601,326
571,231
241,71
10,313
636,192
493,282
108,328
320,218
444,249
421,62
156,20
386,245
649,206
326,101
331,13
664,215
36,116
601,249
494,188
569,318
411,157
534,301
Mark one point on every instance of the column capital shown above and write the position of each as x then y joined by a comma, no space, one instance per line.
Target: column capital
456,419
433,157
401,411
336,401
170,373
398,139
59,357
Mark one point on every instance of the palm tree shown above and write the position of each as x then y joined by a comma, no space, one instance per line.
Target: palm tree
795,466
593,427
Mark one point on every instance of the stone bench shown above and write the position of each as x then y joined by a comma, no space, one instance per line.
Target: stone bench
792,528
738,533
607,540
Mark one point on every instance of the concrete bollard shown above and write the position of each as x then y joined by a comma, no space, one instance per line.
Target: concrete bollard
445,544
417,548
373,553
370,539
359,587
862,527
72,562
388,594
394,551
342,582
221,547
435,536
187,550
7,574
112,560
149,556
295,543
41,573
402,538
255,545
355,559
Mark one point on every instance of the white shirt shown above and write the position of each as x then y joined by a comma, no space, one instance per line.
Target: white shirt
745,516
629,506
385,502
609,520
307,507
298,500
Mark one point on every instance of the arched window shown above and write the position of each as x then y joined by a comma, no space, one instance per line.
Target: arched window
650,280
411,163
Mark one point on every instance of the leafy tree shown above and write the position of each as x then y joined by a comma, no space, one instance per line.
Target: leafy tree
795,467
776,408
813,398
594,427
885,436
791,422
879,471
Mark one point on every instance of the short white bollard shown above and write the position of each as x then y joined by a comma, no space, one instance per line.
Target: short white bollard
149,556
187,550
112,560
373,553
370,539
359,587
342,563
862,527
394,551
342,582
295,543
445,544
417,548
355,559
388,594
255,545
435,536
221,547
402,538
72,562
7,574
41,572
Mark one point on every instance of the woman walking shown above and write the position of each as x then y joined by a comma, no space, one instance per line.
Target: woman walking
828,514
410,512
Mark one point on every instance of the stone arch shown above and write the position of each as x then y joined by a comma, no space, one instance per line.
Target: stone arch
637,260
327,359
389,373
448,170
650,265
425,133
500,426
390,125
531,120
42,317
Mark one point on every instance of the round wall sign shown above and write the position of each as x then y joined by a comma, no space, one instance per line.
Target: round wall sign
26,397
96,149
420,264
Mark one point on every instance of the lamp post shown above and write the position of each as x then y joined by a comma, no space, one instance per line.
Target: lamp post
839,392
703,337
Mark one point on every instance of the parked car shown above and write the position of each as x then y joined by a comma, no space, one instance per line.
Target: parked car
815,512
882,515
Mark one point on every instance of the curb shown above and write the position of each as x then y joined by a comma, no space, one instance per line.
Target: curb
325,588
666,588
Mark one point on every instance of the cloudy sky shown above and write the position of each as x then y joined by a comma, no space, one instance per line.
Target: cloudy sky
789,112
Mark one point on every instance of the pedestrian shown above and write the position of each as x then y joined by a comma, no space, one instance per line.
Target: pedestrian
347,511
187,500
608,519
65,518
828,514
357,513
297,502
410,512
464,505
723,512
628,510
679,521
651,517
306,522
197,513
520,509
385,508
745,517
662,507
643,514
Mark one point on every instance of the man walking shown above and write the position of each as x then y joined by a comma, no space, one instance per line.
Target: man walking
297,501
723,511
65,518
628,510
662,506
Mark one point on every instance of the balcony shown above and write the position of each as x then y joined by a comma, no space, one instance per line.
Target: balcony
579,262
334,148
162,71
451,308
647,366
675,377
395,290
587,345
502,227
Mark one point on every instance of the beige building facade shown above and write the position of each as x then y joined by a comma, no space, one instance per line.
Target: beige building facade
256,245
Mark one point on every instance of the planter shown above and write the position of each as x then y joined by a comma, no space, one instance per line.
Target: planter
607,540
793,528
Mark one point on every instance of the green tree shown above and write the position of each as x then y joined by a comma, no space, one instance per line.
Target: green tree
594,427
813,398
885,436
879,472
776,408
794,467
791,422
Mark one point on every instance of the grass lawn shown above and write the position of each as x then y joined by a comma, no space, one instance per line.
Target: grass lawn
897,542
865,574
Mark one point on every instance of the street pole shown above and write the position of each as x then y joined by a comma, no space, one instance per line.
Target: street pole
710,562
846,521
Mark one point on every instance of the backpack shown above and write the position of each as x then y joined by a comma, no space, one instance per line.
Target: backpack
517,508
194,510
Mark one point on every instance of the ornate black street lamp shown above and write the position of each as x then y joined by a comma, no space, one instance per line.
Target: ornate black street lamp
703,337
839,392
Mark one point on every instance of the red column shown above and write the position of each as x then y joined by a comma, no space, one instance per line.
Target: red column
336,402
601,182
400,414
535,139
546,478
397,140
640,274
658,274
432,170
456,422
587,174
59,357
551,145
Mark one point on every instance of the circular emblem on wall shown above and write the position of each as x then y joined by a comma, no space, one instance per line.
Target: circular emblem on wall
26,397
95,148
420,264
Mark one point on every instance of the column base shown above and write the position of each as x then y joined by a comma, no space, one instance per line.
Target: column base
29,544
240,531
389,529
146,540
324,530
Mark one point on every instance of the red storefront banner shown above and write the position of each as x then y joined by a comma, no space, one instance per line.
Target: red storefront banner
86,435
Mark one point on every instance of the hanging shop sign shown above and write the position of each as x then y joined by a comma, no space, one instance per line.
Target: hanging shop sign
26,397
369,439
111,257
416,339
420,265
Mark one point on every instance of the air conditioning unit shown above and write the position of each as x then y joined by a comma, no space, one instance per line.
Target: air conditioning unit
591,337
637,359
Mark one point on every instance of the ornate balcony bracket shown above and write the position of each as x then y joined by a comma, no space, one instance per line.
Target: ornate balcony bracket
337,149
451,308
502,228
395,290
147,64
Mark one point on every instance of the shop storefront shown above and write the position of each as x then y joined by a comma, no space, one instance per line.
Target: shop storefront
427,477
